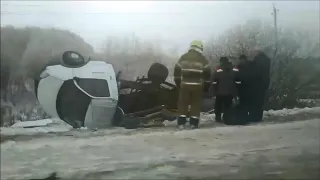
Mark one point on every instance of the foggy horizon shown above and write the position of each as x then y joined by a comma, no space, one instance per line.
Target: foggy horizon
172,24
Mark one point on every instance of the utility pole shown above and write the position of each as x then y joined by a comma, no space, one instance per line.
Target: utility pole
275,19
276,64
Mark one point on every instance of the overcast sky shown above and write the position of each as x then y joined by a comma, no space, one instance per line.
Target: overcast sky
174,23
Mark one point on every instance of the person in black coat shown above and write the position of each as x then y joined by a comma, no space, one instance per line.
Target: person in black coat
258,78
243,89
244,68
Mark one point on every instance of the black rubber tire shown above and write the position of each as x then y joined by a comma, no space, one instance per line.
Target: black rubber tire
118,117
158,72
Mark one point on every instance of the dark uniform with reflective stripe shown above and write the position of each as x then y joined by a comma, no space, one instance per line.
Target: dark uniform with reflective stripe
191,72
225,79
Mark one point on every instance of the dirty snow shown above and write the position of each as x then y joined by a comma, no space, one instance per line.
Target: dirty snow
57,125
294,111
36,127
274,150
282,112
37,123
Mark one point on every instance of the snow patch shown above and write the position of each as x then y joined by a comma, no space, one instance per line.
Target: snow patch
83,128
7,145
56,125
209,117
35,127
37,123
282,112
294,111
135,156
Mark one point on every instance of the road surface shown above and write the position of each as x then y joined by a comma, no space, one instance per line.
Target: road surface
267,151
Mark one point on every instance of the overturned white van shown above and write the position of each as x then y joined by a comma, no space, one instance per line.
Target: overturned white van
81,92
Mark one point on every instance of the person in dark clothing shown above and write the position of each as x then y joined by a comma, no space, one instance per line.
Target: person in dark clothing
259,79
246,91
224,86
244,67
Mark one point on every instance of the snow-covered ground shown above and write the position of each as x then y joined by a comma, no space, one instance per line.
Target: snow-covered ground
57,126
282,112
275,150
294,111
36,127
289,150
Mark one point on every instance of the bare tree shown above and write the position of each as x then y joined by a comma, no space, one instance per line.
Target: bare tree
24,52
294,46
133,56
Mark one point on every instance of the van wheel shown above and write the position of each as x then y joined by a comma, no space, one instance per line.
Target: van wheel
118,117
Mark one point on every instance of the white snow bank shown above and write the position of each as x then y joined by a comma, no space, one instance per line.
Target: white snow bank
282,112
56,125
37,123
35,127
294,111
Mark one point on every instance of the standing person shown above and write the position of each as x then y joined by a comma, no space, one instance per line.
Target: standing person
224,86
191,72
243,89
260,79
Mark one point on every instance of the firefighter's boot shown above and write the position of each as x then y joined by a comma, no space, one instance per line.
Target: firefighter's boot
182,121
194,122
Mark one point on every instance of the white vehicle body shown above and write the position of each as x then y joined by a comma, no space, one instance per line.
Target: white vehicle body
99,110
